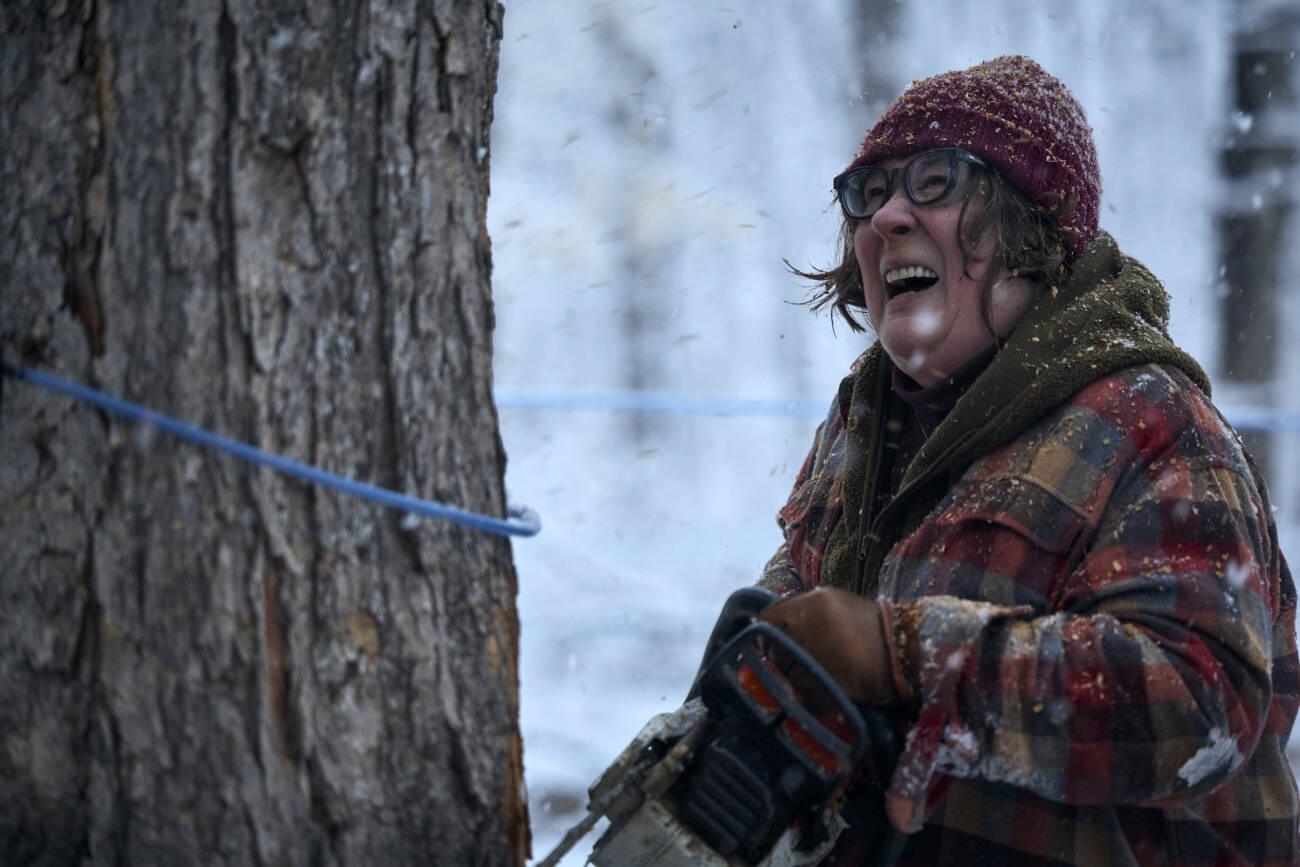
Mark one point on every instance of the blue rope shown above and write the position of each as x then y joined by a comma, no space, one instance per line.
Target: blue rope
652,403
523,521
661,403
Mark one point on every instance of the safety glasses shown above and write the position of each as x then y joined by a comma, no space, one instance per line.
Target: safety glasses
929,178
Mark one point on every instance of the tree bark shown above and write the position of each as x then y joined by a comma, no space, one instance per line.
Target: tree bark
266,218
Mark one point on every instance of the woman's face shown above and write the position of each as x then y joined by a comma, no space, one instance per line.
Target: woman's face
925,307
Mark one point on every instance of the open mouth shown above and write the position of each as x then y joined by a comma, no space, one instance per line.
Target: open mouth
913,278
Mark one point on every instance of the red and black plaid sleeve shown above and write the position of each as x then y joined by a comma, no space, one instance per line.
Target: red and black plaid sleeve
1097,616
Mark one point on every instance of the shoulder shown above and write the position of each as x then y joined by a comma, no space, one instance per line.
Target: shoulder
1142,427
1149,411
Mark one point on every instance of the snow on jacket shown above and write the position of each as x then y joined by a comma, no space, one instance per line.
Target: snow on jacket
1081,575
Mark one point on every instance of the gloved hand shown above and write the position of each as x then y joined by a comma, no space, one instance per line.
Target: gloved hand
843,632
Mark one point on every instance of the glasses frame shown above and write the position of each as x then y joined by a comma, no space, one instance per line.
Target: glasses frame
955,156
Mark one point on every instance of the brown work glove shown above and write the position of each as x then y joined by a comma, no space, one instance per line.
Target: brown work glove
843,632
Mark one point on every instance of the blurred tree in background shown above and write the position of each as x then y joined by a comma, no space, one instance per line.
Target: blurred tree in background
267,219
1255,224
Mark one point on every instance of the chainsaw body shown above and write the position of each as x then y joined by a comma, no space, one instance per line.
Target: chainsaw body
744,774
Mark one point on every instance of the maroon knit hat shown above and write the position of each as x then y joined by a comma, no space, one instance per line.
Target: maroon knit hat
1017,117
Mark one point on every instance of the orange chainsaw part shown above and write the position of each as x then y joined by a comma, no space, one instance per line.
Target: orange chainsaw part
798,735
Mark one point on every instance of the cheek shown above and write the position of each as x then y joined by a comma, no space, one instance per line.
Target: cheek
866,245
866,249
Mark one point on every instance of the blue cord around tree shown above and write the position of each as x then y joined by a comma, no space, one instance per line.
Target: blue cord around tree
522,521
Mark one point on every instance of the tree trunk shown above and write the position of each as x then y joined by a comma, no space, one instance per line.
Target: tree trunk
266,218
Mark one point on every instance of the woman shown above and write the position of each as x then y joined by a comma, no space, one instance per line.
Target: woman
1024,522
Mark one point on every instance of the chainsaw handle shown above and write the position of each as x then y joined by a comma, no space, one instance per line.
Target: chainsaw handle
740,609
721,685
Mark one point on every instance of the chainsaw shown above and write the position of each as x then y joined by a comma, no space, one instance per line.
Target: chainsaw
745,773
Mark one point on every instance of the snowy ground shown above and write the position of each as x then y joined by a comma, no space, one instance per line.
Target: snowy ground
651,166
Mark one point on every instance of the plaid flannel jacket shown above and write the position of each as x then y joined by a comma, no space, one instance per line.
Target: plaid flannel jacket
1100,630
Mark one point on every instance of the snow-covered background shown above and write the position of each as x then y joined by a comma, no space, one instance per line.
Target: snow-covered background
652,165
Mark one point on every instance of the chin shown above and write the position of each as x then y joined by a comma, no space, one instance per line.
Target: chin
908,358
907,352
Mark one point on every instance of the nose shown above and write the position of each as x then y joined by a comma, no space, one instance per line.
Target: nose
896,216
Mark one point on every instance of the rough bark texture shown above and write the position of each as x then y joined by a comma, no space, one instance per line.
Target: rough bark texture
266,218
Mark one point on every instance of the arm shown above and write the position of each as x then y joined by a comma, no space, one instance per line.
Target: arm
809,515
779,574
1148,679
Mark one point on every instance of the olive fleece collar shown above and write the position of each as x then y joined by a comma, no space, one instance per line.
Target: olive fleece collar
1111,314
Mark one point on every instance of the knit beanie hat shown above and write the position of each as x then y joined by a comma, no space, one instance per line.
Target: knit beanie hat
1018,118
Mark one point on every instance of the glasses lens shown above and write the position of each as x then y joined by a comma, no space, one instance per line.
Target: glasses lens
932,175
863,192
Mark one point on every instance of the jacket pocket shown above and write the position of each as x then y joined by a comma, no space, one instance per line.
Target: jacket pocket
1004,540
1019,504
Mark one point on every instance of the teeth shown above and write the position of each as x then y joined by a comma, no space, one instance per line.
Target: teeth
898,275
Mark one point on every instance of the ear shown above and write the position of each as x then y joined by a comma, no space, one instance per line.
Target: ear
1009,299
